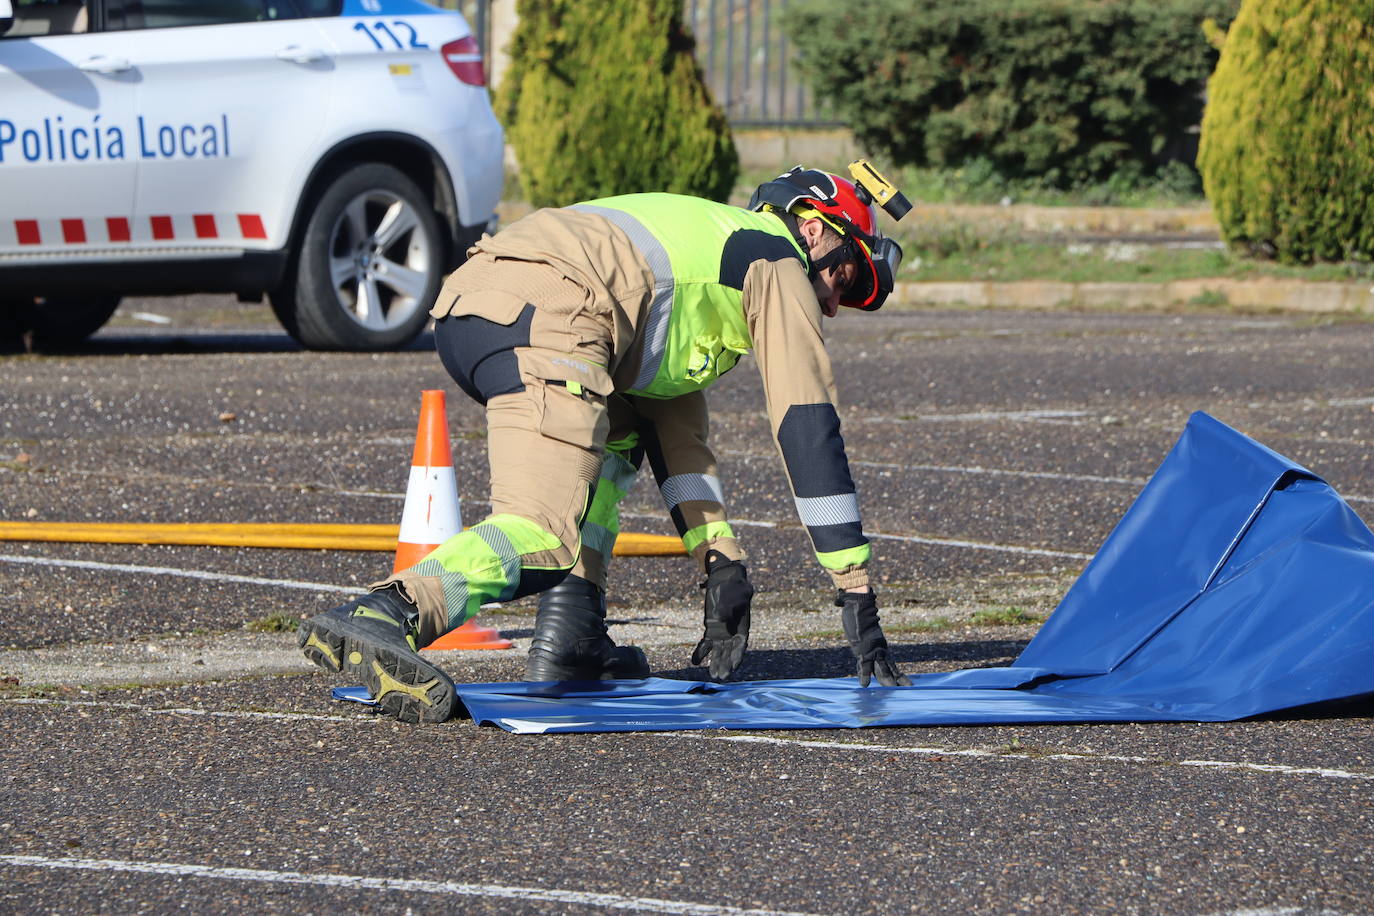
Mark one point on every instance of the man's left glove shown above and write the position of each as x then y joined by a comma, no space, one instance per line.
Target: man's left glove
726,617
859,615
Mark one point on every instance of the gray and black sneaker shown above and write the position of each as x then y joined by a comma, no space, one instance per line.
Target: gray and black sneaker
373,638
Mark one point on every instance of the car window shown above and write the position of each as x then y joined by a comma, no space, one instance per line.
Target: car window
167,14
319,9
35,18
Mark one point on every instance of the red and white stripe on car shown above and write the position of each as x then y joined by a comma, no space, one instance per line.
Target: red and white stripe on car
122,230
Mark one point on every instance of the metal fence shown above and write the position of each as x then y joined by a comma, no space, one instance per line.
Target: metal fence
749,64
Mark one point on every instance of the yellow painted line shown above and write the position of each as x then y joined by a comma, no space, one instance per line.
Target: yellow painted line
319,536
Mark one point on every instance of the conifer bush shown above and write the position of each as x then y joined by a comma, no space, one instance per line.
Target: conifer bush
607,98
1287,151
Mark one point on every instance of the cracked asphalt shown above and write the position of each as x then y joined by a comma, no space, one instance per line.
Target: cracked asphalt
167,748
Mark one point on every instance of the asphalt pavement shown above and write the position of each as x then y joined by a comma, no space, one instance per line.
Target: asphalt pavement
168,748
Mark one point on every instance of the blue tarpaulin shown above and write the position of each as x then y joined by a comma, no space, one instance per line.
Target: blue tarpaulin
1238,583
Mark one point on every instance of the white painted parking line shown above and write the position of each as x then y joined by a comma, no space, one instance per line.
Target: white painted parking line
362,882
1008,755
1042,416
977,545
998,754
918,539
191,711
1001,472
183,573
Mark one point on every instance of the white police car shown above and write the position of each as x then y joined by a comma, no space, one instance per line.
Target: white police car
337,155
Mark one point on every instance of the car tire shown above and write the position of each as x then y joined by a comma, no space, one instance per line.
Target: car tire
369,265
58,321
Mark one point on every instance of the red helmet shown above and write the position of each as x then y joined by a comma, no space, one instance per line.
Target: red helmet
851,215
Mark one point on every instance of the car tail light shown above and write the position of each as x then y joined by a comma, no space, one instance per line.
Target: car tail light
464,58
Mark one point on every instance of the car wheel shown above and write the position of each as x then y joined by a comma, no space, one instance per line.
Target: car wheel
369,265
59,321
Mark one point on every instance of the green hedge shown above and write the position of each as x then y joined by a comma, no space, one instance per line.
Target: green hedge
607,98
1287,154
1064,91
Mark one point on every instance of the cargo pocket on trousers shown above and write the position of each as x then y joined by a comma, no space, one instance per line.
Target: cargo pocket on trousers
494,305
569,396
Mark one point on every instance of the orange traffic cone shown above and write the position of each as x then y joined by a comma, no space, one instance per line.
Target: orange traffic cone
432,513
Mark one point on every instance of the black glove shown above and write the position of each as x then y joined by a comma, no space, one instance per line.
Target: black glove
859,615
726,617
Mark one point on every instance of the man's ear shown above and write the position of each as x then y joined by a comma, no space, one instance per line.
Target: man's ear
811,230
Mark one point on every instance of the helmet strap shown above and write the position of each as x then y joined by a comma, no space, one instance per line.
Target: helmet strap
831,259
793,225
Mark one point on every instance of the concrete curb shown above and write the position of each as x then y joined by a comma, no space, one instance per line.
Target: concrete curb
1277,295
1185,221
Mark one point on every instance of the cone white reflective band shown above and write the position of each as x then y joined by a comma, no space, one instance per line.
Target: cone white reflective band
841,509
431,514
683,487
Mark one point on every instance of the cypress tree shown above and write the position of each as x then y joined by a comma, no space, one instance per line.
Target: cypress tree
1287,151
607,98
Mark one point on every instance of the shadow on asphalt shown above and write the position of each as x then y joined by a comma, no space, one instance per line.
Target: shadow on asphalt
168,343
1360,707
836,661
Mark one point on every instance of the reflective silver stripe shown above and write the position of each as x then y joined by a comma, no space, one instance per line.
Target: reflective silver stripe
455,588
458,592
661,309
500,544
841,509
597,537
618,471
681,487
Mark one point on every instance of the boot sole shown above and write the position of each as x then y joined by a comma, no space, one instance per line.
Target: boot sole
399,681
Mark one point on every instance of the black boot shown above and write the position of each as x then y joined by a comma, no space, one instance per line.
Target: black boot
570,639
373,638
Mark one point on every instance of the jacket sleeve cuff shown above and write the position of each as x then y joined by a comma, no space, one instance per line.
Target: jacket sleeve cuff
726,544
854,577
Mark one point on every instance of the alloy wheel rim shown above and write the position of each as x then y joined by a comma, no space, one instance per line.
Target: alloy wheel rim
380,260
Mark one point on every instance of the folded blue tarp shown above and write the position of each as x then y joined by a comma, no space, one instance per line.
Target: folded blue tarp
1237,584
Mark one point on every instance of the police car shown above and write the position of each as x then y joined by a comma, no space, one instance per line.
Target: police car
336,155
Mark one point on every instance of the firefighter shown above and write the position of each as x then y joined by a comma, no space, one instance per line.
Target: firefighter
590,334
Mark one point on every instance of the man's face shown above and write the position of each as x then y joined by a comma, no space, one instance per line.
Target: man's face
833,282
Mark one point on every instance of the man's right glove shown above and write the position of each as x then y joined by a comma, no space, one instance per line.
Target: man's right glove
726,617
859,615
